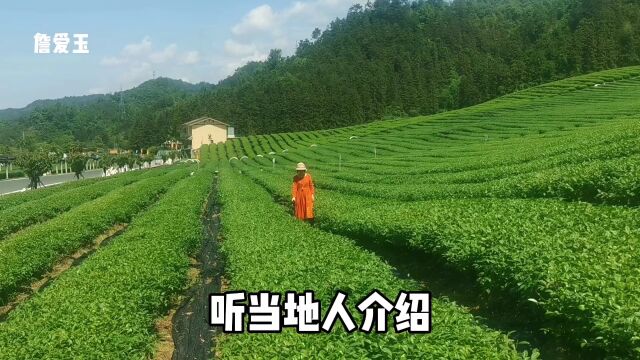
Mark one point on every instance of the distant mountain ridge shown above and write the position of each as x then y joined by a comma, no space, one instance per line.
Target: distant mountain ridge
95,120
10,114
15,113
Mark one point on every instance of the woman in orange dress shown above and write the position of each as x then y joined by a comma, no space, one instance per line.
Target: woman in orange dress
303,194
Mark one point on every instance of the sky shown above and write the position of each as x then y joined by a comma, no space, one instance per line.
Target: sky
130,41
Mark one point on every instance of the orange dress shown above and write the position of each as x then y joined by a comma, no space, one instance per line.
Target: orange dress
302,190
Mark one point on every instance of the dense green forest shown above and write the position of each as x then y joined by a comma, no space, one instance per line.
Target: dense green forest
131,119
382,60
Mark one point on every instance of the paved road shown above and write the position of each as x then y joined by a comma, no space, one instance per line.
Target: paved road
11,185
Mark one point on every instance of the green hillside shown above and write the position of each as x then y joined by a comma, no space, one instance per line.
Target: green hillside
132,118
535,194
398,58
387,59
531,200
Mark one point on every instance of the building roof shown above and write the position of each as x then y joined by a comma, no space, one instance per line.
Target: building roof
204,120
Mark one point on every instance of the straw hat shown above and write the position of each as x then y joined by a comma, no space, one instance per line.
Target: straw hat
301,166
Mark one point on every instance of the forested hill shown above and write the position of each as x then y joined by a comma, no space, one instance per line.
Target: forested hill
12,113
386,59
122,118
396,58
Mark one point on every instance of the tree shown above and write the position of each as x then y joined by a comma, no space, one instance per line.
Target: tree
34,164
4,149
152,150
105,162
140,161
315,35
450,96
122,160
131,161
274,58
78,163
148,158
98,143
28,141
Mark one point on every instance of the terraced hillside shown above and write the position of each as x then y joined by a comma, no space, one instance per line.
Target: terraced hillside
532,199
89,268
535,194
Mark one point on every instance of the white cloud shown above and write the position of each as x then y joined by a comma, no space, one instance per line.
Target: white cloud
264,28
138,61
258,19
235,48
251,38
113,61
136,74
165,55
190,58
96,90
231,65
136,53
137,49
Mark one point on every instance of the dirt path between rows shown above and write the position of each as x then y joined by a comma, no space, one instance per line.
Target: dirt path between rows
63,265
193,338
